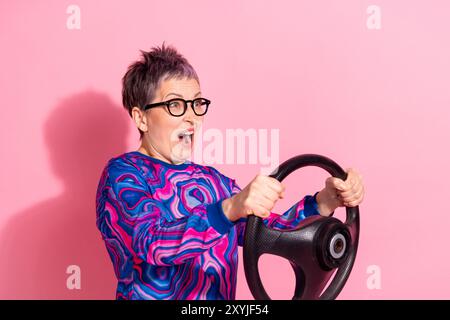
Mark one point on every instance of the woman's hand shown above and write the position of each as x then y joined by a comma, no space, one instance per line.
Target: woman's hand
339,193
258,198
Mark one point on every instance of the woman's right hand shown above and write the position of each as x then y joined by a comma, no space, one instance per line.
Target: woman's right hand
258,198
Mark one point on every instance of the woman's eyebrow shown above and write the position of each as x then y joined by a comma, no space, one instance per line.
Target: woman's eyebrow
179,95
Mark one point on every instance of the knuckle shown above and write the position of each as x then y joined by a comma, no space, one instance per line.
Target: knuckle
346,200
253,191
354,203
262,214
335,180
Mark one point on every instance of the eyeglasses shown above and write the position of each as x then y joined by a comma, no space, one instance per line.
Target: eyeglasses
177,107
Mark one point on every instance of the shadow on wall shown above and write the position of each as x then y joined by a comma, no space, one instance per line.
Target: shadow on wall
40,242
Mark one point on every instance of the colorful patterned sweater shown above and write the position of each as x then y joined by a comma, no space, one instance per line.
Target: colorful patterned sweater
165,230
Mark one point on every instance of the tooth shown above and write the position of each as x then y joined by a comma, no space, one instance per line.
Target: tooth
186,139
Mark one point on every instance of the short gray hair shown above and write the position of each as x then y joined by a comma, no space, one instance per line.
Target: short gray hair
143,77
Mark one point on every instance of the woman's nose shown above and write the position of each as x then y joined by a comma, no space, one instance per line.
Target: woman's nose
190,114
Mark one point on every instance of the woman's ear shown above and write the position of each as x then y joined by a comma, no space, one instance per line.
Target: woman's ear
139,119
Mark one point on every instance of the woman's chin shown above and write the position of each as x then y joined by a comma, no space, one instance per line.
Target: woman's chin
180,154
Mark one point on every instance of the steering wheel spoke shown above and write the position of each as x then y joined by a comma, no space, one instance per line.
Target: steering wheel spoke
310,283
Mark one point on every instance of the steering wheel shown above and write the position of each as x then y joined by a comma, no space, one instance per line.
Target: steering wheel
316,249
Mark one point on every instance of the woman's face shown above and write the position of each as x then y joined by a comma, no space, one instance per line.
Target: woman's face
162,131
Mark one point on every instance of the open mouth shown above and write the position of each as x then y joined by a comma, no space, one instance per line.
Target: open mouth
185,137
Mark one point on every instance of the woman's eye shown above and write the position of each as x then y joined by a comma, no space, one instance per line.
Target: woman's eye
174,104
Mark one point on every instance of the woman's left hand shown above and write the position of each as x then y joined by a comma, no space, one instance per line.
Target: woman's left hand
339,193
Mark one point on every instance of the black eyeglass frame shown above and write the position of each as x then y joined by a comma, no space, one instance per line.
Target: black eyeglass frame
167,103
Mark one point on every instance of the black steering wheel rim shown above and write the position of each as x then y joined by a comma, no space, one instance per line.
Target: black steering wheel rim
311,276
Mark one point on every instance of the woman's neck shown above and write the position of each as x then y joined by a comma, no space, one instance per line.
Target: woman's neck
153,153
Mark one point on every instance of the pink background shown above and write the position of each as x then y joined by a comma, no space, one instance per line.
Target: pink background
374,100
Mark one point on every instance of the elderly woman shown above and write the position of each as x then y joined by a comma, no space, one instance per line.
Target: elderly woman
172,226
